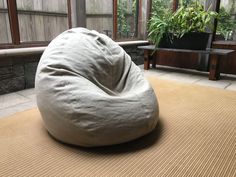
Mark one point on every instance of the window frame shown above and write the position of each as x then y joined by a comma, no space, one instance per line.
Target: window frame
137,21
81,18
15,32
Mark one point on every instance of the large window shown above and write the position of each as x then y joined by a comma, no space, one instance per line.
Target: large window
119,19
32,23
99,16
5,32
127,19
41,20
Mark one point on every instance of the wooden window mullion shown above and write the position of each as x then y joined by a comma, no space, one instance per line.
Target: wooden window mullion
138,17
175,5
13,20
69,13
217,9
114,19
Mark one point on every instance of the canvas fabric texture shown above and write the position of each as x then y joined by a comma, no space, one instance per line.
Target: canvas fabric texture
90,93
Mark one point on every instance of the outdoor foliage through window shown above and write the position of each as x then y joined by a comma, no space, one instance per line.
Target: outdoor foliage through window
226,28
127,14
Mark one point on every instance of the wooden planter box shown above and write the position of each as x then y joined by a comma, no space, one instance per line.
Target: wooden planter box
192,41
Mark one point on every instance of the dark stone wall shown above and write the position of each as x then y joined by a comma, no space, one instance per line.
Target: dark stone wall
18,73
135,53
30,70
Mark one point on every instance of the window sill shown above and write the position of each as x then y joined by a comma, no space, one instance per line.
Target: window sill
39,50
21,51
224,42
128,43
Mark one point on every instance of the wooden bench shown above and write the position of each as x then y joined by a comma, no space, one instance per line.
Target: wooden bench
214,70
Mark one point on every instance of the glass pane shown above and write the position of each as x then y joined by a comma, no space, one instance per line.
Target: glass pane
187,2
5,32
99,16
127,19
41,20
226,28
160,5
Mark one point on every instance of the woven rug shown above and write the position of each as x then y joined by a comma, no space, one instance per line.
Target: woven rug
196,136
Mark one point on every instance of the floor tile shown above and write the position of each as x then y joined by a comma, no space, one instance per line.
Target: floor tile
155,72
217,84
17,108
11,99
181,77
32,97
26,92
232,86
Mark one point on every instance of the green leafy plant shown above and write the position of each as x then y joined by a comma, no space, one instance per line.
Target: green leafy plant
158,25
191,18
226,24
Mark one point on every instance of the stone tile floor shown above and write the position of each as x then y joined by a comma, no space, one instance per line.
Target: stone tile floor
22,100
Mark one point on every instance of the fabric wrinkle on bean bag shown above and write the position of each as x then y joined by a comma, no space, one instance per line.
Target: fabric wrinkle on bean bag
90,93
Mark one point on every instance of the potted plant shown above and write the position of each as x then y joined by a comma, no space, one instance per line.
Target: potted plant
174,29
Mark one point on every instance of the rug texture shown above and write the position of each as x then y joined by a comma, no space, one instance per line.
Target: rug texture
195,136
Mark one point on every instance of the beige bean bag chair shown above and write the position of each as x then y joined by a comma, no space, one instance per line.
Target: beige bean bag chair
90,93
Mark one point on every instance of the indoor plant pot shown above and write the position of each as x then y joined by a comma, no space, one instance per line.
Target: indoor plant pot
191,40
